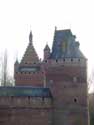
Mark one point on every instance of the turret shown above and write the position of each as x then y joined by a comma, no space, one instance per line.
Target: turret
16,68
30,55
28,71
46,52
66,78
16,65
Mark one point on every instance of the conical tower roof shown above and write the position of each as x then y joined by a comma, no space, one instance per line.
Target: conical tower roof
47,47
30,56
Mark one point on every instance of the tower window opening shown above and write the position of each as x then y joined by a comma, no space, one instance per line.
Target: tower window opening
28,97
42,99
56,60
64,60
71,60
75,100
12,97
74,79
79,60
46,61
51,81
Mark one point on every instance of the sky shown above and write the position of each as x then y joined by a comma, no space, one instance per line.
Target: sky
18,17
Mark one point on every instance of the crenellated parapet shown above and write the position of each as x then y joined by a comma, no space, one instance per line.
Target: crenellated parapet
25,97
25,102
66,62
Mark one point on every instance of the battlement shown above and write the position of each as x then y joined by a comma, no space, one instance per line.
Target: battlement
25,102
66,62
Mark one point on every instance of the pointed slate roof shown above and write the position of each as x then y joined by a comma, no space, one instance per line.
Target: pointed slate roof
30,55
65,45
47,47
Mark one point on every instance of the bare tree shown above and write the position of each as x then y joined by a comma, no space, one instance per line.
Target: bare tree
6,79
91,82
4,69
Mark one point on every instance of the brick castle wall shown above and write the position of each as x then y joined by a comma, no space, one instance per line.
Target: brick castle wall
68,85
66,79
27,79
26,111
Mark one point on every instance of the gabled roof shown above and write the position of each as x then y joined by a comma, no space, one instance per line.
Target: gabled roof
65,45
30,55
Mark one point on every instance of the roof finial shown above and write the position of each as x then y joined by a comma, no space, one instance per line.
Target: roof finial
55,28
30,37
55,32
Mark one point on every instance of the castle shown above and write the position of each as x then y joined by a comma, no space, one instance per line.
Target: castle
48,92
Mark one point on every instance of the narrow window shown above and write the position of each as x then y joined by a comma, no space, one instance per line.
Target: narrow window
29,99
71,60
42,99
74,79
46,61
79,60
56,60
75,100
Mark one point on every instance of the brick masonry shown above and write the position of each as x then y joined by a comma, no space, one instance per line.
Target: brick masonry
65,77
